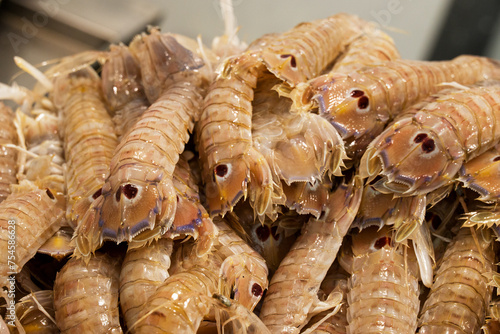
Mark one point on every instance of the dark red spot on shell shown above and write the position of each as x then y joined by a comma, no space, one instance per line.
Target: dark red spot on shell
420,137
496,158
118,194
49,193
357,93
293,61
382,242
129,190
363,102
262,232
275,235
428,145
257,290
97,193
221,170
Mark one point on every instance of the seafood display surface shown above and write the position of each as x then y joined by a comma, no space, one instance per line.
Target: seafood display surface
310,181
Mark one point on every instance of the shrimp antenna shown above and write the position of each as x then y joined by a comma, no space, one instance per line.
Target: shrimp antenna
34,72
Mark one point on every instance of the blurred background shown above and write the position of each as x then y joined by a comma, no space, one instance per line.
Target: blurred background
425,29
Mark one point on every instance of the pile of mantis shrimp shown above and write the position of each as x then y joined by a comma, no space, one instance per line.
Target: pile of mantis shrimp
311,181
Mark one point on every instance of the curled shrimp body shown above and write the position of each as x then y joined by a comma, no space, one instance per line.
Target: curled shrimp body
143,270
30,216
86,296
89,138
438,139
303,52
292,294
160,57
461,292
139,194
8,155
383,287
361,103
224,137
123,89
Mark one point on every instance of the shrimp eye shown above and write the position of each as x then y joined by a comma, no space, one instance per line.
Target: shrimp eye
496,158
363,103
118,194
221,170
420,137
357,93
428,145
382,242
262,232
130,191
293,62
97,193
257,290
275,235
49,193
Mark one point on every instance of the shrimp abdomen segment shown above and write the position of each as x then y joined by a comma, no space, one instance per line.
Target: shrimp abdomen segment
461,291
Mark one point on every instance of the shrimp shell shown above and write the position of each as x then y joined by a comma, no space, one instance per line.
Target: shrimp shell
383,287
482,173
461,292
304,51
438,139
372,47
143,270
122,88
299,147
160,57
8,155
234,318
139,194
191,217
89,138
361,103
242,272
224,140
292,293
35,215
336,324
86,296
36,313
180,303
